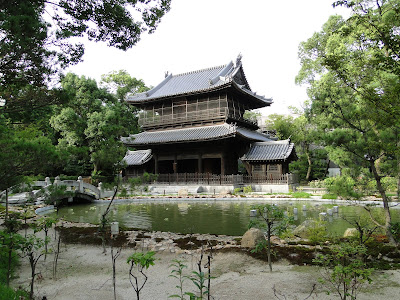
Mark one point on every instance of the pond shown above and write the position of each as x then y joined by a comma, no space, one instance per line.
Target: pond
213,217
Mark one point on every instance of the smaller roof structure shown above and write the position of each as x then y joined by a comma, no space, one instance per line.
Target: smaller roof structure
193,134
138,157
270,151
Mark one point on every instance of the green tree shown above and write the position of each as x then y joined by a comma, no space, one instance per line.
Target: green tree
93,120
140,261
120,83
32,248
344,271
272,219
36,39
352,69
313,160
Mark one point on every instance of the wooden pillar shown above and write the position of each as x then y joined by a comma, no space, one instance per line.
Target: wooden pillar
175,164
155,163
223,164
200,164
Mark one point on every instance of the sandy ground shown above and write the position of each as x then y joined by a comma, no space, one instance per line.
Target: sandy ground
84,272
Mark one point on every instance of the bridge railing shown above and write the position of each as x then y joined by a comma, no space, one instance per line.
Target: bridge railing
78,185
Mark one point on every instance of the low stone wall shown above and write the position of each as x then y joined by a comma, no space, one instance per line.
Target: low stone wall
271,188
162,189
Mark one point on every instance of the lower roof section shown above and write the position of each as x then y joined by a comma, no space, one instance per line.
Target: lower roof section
193,134
138,157
270,151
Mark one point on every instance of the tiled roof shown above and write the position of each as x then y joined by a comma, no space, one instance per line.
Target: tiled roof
137,158
269,151
193,134
199,81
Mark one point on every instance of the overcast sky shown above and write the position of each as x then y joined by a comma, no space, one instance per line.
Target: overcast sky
198,34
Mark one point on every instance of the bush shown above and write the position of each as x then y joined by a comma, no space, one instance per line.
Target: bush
301,195
237,190
317,184
247,189
344,186
317,233
123,193
389,183
8,293
329,196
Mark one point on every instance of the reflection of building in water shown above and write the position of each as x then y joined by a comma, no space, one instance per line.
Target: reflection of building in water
183,208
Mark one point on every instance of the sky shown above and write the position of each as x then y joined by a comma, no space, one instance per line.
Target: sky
198,34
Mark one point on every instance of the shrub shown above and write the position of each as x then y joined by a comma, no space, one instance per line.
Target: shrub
344,271
301,195
329,196
344,186
123,193
238,190
247,189
317,233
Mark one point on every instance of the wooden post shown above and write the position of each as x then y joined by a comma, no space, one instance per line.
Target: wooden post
200,164
155,163
175,164
222,164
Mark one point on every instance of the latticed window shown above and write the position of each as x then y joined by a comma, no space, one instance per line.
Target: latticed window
272,167
258,168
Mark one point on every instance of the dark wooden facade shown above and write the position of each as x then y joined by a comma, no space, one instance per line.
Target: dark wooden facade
193,123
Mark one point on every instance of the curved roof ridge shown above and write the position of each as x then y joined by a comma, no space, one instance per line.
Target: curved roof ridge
280,142
201,70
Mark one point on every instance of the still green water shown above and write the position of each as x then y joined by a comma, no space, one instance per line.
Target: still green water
213,217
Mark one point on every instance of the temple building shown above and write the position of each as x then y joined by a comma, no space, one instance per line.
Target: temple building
193,123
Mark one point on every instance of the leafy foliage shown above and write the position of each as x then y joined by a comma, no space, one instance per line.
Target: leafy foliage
312,162
141,261
36,40
352,70
272,219
344,271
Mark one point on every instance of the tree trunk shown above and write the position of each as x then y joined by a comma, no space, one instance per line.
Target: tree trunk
33,265
6,218
385,200
309,166
9,265
269,246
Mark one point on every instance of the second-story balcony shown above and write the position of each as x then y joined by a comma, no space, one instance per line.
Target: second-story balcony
150,120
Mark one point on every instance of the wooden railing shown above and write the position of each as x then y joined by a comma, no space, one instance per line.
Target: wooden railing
213,114
214,179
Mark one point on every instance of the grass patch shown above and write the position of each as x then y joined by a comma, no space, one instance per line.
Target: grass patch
329,196
301,195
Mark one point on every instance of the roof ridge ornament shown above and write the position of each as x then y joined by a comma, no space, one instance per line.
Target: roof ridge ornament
239,59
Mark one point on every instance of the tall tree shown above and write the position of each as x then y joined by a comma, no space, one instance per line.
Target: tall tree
120,83
93,120
312,158
352,68
36,39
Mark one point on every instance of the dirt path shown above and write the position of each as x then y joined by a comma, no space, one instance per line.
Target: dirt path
84,272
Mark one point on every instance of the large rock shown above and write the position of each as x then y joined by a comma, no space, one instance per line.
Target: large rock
303,229
183,193
350,232
252,237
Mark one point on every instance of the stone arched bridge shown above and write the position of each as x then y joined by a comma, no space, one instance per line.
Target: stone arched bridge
82,189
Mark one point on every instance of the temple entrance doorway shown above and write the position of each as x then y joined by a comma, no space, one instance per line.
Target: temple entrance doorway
166,166
188,166
212,165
